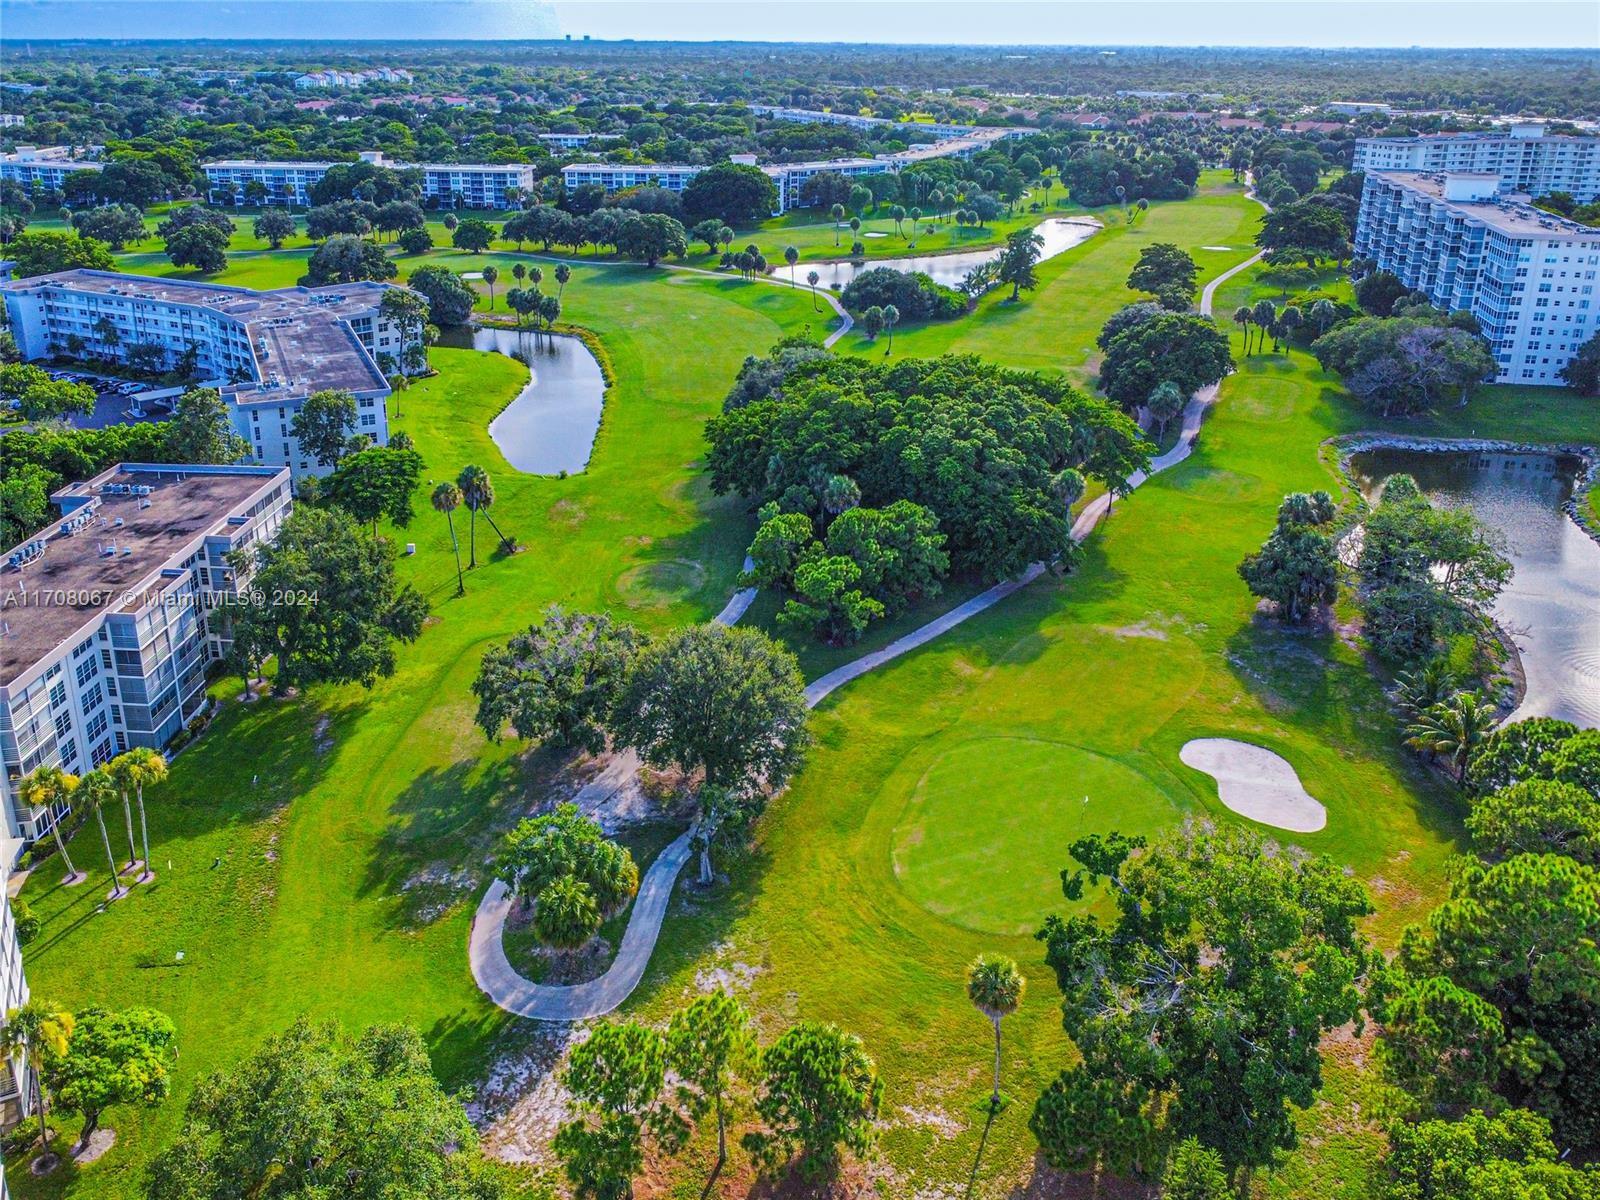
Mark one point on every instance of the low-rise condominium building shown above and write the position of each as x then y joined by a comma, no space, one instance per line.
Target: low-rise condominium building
289,182
44,168
265,351
105,634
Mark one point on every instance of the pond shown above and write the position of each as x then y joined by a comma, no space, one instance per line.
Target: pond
1059,234
550,426
1552,604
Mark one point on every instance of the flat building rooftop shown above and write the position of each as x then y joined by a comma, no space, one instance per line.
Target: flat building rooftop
1510,213
106,554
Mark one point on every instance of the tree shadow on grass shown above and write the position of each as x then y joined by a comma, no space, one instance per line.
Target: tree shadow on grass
435,851
251,762
1044,1182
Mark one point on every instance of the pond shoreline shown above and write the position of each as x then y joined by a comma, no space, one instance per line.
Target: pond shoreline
1348,445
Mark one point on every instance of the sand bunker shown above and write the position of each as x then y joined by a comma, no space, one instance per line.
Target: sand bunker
1216,247
1256,783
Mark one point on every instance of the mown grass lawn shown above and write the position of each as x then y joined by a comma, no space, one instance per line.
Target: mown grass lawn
301,845
307,839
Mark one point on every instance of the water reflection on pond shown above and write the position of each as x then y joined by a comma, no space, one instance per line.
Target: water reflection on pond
1552,604
550,426
1059,234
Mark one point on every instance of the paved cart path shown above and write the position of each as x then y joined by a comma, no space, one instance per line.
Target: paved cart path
541,1002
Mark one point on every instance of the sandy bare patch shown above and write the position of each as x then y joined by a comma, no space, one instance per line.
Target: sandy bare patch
1256,783
521,1102
1142,630
725,972
100,1141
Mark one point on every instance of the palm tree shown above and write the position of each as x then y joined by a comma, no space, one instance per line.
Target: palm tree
1242,318
837,213
1425,686
536,277
549,311
122,770
36,1029
1265,314
563,273
519,272
490,274
48,787
891,318
151,767
791,255
97,790
1453,729
446,499
813,279
915,215
725,237
478,493
995,987
898,213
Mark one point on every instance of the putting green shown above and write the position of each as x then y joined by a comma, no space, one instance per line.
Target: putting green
984,836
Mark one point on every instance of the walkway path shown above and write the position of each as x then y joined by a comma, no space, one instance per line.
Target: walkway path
541,1002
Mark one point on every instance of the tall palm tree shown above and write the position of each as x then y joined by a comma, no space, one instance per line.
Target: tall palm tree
478,493
97,790
519,272
1265,314
898,213
1242,318
467,482
490,274
563,273
123,768
1453,729
891,318
446,499
36,1029
48,787
536,277
915,215
791,255
837,213
151,768
995,987
813,279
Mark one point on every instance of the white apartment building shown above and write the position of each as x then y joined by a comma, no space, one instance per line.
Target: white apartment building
448,185
1524,157
789,177
814,116
1529,277
576,141
16,1084
104,636
352,79
287,183
43,168
12,120
265,351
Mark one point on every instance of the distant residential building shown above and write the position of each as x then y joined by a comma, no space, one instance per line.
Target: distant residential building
105,635
1524,157
449,185
352,79
12,120
1356,108
16,1082
576,141
788,177
265,351
1528,276
44,167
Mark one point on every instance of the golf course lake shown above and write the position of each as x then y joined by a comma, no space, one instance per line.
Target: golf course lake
1551,606
1059,233
550,426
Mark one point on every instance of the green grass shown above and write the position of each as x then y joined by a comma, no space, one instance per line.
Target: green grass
874,880
287,861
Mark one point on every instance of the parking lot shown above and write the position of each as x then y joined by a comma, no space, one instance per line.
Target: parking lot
114,400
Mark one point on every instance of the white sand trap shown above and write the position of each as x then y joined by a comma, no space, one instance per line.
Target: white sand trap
874,234
1256,783
1216,247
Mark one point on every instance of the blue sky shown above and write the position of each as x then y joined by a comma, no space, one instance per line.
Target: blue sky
1569,24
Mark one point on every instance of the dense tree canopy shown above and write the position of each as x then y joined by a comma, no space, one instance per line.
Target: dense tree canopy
983,448
733,193
311,1099
1182,348
1404,365
913,293
1200,1009
324,598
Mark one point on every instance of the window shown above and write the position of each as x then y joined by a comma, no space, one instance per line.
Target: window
96,726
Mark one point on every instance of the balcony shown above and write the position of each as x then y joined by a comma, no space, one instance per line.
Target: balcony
37,821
